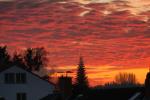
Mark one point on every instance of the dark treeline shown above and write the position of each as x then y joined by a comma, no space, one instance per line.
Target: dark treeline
31,59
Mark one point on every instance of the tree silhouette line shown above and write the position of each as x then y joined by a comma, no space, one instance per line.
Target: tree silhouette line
31,59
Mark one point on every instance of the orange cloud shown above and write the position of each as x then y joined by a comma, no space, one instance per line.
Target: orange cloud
106,35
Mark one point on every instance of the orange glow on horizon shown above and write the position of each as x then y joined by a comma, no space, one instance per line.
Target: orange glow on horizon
101,75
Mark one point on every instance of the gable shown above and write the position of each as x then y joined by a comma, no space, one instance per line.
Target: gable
35,87
30,75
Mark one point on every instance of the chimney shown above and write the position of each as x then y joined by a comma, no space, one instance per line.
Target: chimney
65,86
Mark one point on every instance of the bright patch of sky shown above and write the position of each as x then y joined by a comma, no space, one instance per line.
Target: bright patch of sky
92,1
136,6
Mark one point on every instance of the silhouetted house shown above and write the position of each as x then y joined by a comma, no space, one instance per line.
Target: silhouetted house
109,93
145,94
137,96
19,84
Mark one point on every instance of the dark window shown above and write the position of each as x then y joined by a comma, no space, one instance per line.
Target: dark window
21,96
20,78
23,77
9,78
6,78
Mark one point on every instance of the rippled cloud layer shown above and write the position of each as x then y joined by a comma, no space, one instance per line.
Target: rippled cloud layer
114,33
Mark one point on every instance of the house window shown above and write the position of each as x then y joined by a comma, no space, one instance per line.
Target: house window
20,78
12,78
9,78
21,96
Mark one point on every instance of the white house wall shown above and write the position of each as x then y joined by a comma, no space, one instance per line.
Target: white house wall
35,88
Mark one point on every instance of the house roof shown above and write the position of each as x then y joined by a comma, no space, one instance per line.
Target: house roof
111,94
28,72
137,96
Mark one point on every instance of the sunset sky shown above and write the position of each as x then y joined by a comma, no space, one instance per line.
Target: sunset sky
112,35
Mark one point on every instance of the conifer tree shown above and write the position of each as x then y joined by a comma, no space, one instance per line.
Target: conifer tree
81,79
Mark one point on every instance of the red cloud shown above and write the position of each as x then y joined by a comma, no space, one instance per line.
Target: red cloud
118,39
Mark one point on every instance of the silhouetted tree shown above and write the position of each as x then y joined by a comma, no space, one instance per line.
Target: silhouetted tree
40,59
35,58
4,57
81,79
28,57
18,60
147,87
126,78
